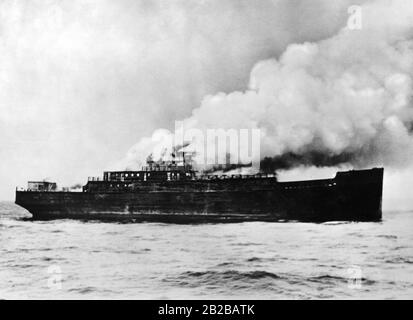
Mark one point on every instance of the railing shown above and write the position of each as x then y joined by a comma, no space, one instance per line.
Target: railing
94,179
63,189
236,176
167,168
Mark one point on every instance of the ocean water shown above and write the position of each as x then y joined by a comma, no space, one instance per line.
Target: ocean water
68,259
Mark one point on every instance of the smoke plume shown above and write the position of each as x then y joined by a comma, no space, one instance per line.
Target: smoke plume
343,100
76,186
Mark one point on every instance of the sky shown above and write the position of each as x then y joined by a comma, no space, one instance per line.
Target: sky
83,81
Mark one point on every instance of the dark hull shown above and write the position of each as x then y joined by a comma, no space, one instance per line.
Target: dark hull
350,196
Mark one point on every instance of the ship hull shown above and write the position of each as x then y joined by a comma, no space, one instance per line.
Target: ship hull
350,196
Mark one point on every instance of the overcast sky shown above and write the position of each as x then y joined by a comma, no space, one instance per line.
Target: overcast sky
82,81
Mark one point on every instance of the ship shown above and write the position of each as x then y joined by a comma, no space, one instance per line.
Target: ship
171,192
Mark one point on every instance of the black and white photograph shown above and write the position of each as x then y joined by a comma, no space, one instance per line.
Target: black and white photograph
194,150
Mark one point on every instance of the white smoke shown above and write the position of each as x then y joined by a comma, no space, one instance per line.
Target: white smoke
347,98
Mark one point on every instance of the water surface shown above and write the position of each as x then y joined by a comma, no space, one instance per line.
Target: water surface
69,259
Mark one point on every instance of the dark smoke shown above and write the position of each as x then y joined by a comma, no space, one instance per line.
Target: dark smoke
223,168
291,160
